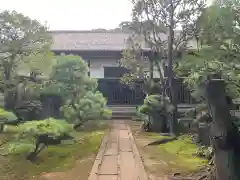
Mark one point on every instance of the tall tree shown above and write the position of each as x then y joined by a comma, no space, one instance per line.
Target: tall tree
224,133
163,18
219,54
219,51
20,36
81,100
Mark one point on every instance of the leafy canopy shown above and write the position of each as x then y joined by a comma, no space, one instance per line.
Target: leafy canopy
155,103
51,127
91,106
20,37
218,53
82,101
6,116
70,76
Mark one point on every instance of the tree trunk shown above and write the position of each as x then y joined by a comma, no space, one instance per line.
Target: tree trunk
158,123
7,68
162,81
49,112
7,71
77,125
224,134
151,68
170,75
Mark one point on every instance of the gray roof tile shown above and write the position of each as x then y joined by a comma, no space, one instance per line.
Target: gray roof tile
87,40
95,40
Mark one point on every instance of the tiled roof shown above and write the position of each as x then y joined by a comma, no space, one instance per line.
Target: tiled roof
94,40
88,40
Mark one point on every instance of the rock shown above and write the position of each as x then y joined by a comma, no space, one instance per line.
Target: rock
203,177
177,174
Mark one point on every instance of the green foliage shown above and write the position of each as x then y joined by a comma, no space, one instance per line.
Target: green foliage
156,109
21,36
39,63
141,116
53,88
91,106
155,19
42,132
138,65
28,70
70,81
55,158
133,60
155,103
200,113
152,86
158,21
74,67
205,152
177,156
29,109
16,148
209,61
181,152
6,116
218,54
70,74
24,99
52,127
218,25
24,54
1,99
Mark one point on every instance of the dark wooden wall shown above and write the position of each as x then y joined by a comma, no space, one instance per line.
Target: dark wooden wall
111,87
121,94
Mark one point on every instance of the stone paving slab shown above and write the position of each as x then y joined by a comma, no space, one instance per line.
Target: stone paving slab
111,150
127,166
118,157
107,177
109,165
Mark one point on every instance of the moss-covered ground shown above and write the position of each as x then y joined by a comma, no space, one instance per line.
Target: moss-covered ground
55,162
165,159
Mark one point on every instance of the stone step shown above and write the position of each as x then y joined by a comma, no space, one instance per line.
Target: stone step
123,112
182,106
123,115
124,108
127,112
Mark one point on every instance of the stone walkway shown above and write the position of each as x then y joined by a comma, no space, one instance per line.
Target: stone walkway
118,157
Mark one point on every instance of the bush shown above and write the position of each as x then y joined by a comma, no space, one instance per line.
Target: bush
155,103
205,152
157,108
14,148
51,127
29,109
41,132
7,117
141,116
77,90
91,106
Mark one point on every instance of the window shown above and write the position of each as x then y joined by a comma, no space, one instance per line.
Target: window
114,72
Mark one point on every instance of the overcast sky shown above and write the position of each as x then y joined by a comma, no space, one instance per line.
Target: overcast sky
73,14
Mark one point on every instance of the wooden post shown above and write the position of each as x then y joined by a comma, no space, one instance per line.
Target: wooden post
151,65
224,134
89,67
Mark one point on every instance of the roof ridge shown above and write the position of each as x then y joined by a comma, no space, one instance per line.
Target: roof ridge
86,31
